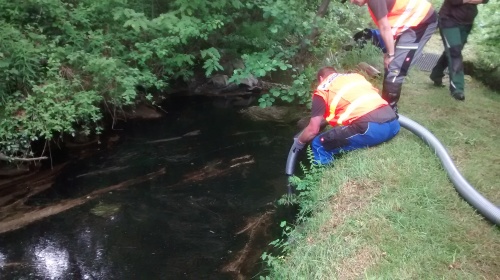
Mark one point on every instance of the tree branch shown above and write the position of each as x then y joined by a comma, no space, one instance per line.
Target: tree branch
323,8
6,158
36,213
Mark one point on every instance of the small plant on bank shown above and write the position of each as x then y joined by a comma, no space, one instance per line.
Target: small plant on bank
280,244
304,188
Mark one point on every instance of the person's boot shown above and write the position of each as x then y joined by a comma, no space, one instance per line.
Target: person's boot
437,82
458,95
391,93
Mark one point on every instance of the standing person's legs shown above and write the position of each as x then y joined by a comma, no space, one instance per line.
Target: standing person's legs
437,72
409,47
464,33
454,39
347,138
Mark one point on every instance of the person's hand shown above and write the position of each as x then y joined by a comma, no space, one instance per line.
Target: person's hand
297,145
387,60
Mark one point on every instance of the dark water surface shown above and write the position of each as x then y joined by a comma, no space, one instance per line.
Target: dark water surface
180,225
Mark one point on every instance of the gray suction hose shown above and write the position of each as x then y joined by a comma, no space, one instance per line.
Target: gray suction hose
290,167
473,197
293,154
291,161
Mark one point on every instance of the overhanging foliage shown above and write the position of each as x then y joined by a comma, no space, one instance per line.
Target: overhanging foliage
64,64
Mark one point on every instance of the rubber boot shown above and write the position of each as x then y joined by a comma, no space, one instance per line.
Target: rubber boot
391,93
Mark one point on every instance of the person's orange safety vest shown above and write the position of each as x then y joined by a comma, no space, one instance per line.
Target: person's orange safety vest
405,14
348,97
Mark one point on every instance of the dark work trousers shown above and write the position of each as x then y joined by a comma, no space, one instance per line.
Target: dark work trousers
408,48
351,137
454,39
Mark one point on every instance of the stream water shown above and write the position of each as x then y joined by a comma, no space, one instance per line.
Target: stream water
209,216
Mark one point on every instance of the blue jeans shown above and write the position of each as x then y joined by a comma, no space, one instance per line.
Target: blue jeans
351,137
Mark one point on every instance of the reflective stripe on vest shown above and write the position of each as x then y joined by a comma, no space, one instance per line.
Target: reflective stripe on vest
358,102
405,14
348,97
338,96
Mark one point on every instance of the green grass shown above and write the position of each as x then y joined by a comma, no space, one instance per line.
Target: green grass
390,212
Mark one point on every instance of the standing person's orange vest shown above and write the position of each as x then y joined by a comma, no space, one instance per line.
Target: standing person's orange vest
348,97
405,14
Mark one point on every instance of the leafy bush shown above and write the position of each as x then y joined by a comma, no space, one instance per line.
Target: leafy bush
63,61
487,33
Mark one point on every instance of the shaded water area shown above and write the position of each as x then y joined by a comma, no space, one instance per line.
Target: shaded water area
207,212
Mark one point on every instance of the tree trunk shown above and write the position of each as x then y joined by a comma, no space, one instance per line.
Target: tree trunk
30,214
311,39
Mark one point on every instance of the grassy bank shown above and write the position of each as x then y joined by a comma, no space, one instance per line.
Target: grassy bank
390,212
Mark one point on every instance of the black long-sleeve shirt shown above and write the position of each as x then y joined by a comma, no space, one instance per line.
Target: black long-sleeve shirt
455,12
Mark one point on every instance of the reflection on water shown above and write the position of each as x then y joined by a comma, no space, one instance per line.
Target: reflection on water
50,259
186,224
2,259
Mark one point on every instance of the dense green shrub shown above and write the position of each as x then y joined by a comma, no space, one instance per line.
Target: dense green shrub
485,43
65,63
487,32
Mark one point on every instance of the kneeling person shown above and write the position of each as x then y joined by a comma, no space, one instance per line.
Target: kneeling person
352,106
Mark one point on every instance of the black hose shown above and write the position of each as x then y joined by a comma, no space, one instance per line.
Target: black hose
471,195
